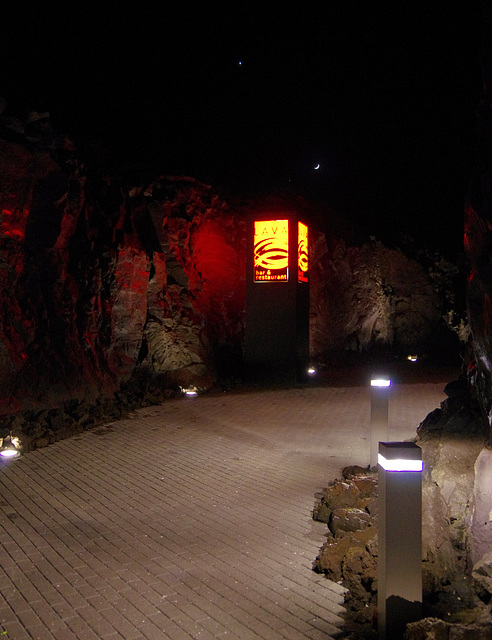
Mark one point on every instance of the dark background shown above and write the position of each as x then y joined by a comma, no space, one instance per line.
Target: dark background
252,97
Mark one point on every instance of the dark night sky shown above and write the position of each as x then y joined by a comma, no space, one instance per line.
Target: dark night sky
381,95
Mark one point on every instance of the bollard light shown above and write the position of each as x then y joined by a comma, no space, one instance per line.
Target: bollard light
399,464
379,416
380,382
399,538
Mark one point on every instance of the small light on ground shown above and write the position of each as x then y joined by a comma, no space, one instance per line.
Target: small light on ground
189,391
9,453
412,358
10,447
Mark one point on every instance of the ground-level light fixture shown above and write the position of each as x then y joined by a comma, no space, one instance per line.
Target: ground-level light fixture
412,358
311,371
400,537
10,447
189,391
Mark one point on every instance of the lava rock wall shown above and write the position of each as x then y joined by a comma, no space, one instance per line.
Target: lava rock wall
102,284
369,296
478,235
108,284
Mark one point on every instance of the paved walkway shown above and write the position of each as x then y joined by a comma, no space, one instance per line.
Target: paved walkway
188,520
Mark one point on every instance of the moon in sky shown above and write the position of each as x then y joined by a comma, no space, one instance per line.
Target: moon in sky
316,166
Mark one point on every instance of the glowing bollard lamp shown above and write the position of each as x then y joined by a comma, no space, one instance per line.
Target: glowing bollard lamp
400,538
379,416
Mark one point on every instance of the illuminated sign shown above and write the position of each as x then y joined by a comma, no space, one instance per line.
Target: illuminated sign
302,252
271,250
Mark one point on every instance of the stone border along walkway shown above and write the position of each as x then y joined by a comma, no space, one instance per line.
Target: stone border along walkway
191,519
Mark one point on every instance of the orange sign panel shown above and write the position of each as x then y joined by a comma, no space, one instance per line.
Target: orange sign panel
271,250
302,253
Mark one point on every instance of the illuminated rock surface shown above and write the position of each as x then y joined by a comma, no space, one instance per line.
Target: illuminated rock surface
112,288
107,289
115,295
369,296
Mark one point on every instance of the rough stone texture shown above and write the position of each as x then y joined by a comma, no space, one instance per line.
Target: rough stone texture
112,288
348,519
448,485
480,521
452,439
368,296
482,575
435,629
107,288
456,498
349,555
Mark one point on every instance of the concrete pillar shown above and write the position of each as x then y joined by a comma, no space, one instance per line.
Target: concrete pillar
380,387
400,538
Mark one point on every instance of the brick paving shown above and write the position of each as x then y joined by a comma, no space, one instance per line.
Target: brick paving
191,519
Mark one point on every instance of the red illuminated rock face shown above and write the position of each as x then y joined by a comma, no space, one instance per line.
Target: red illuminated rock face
106,287
104,283
101,285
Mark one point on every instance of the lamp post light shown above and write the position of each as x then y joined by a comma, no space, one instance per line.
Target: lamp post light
399,538
379,416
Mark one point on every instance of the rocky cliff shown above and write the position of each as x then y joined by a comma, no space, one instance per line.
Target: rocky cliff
369,296
114,287
102,282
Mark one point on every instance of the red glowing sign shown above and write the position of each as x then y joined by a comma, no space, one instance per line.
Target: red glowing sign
271,250
302,253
